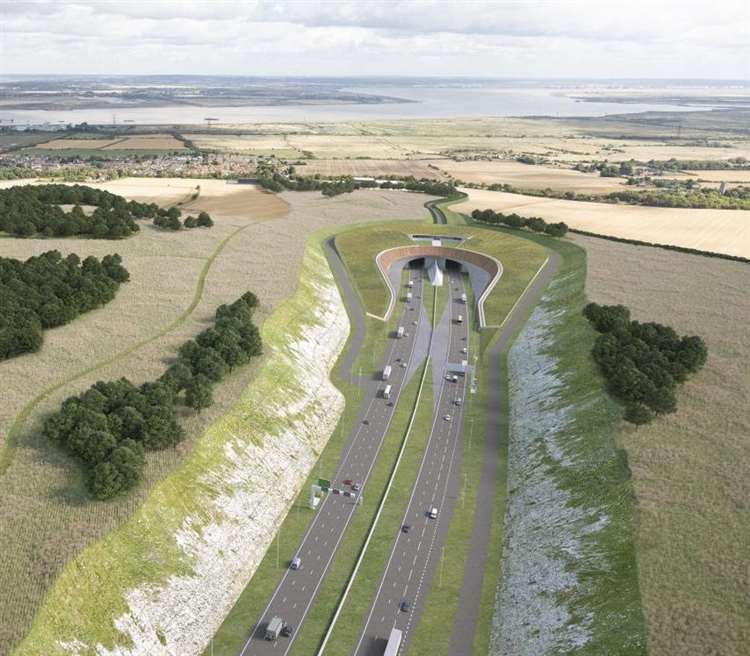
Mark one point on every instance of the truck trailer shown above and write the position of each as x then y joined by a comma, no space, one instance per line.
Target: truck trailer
273,628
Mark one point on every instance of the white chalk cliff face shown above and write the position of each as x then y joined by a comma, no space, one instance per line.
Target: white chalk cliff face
258,477
541,533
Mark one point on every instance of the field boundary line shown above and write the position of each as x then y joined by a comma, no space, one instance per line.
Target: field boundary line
383,499
7,452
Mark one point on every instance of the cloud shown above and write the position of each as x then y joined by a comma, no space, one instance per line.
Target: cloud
517,38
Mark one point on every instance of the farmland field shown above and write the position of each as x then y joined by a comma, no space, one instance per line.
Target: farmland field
690,468
740,177
719,231
529,176
254,144
135,142
372,167
177,281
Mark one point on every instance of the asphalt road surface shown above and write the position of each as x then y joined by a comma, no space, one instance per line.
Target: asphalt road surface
416,555
297,590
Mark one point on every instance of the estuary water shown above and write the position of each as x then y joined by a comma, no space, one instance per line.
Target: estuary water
423,102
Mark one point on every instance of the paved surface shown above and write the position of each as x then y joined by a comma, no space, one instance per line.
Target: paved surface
415,557
297,590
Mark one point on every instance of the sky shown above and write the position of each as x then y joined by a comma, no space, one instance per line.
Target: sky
504,38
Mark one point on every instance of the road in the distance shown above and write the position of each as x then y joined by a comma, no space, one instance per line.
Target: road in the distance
296,592
416,554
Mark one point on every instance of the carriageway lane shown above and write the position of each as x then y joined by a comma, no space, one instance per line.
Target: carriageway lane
297,589
416,555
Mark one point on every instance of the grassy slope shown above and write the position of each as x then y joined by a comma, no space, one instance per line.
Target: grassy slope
607,598
78,604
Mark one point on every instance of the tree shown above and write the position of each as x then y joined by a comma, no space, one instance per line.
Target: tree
199,394
204,220
191,222
638,414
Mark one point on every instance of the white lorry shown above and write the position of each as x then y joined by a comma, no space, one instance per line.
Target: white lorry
387,372
273,628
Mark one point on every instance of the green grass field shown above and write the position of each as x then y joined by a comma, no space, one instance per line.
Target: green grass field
521,259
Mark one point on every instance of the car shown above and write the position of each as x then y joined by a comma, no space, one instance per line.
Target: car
348,481
366,422
405,606
390,404
464,350
296,563
356,487
403,365
454,378
433,513
406,528
287,631
458,401
448,377
447,417
414,322
348,494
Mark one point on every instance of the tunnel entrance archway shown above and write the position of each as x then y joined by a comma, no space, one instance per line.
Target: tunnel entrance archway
484,270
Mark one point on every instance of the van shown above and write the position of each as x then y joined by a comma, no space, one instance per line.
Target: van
386,372
463,298
408,297
387,392
433,513
296,563
410,283
400,332
460,318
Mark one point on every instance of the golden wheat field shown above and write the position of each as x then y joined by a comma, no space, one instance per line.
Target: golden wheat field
528,176
690,468
372,167
135,142
719,231
177,281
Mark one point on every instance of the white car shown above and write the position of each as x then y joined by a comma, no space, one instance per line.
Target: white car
447,417
464,350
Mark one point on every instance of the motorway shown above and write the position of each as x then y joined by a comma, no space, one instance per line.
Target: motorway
416,555
297,589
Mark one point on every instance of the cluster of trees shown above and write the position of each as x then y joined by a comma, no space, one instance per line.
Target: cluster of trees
47,291
110,426
642,362
170,220
35,209
273,181
535,223
672,164
737,198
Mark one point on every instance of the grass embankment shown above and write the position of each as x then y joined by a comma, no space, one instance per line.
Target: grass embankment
90,592
521,259
359,258
593,472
